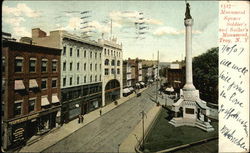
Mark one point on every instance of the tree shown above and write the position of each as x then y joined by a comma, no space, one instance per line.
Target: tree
205,74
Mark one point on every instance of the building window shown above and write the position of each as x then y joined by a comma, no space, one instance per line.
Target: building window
90,79
95,55
54,65
118,63
64,82
112,71
106,71
70,81
54,83
18,107
100,55
64,50
44,84
96,78
44,65
32,65
19,64
85,79
70,66
108,51
71,51
78,79
90,67
114,53
3,64
85,66
118,71
90,55
113,62
111,52
105,51
78,53
100,78
84,53
106,62
78,66
64,66
100,66
32,103
95,66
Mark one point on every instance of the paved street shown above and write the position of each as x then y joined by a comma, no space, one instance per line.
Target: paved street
105,133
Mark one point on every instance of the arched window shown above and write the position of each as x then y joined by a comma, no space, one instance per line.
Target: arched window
118,63
106,62
113,62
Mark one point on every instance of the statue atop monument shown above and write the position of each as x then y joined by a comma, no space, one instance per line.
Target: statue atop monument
187,14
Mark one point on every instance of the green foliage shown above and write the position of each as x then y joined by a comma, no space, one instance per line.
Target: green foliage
205,74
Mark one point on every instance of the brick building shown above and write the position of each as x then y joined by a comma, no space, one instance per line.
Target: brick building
31,91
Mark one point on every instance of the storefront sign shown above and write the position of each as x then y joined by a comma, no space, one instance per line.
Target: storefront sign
23,119
18,135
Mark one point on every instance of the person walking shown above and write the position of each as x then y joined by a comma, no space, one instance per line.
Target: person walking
100,112
82,118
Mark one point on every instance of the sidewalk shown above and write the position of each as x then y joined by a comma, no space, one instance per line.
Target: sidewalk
69,128
129,144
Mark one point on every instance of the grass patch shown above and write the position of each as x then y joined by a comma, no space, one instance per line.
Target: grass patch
164,135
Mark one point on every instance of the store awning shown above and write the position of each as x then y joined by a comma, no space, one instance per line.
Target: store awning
131,89
126,90
151,81
142,83
33,83
175,81
45,101
58,114
170,89
19,85
55,99
137,84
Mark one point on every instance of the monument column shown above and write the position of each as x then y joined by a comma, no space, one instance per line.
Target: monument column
188,21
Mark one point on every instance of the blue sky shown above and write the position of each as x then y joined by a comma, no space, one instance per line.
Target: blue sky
162,21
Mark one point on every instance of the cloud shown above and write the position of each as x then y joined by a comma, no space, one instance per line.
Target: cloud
14,21
21,32
20,9
162,31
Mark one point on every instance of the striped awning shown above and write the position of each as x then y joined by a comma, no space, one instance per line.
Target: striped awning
45,101
55,99
19,85
126,90
33,83
142,83
137,84
131,89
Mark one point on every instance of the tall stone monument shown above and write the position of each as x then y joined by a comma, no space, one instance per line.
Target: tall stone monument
190,109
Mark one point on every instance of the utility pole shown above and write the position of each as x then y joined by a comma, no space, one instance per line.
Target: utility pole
157,77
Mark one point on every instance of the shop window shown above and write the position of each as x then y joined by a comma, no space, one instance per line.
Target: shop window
54,65
64,50
19,64
44,84
32,65
18,107
64,66
31,104
54,83
44,65
106,71
71,51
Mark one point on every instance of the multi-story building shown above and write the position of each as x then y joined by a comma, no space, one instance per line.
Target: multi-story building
31,91
176,75
149,70
81,71
112,84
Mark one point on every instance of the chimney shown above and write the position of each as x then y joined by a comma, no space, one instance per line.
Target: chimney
37,32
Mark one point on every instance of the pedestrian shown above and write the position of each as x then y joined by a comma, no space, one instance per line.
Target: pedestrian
79,119
100,112
82,118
